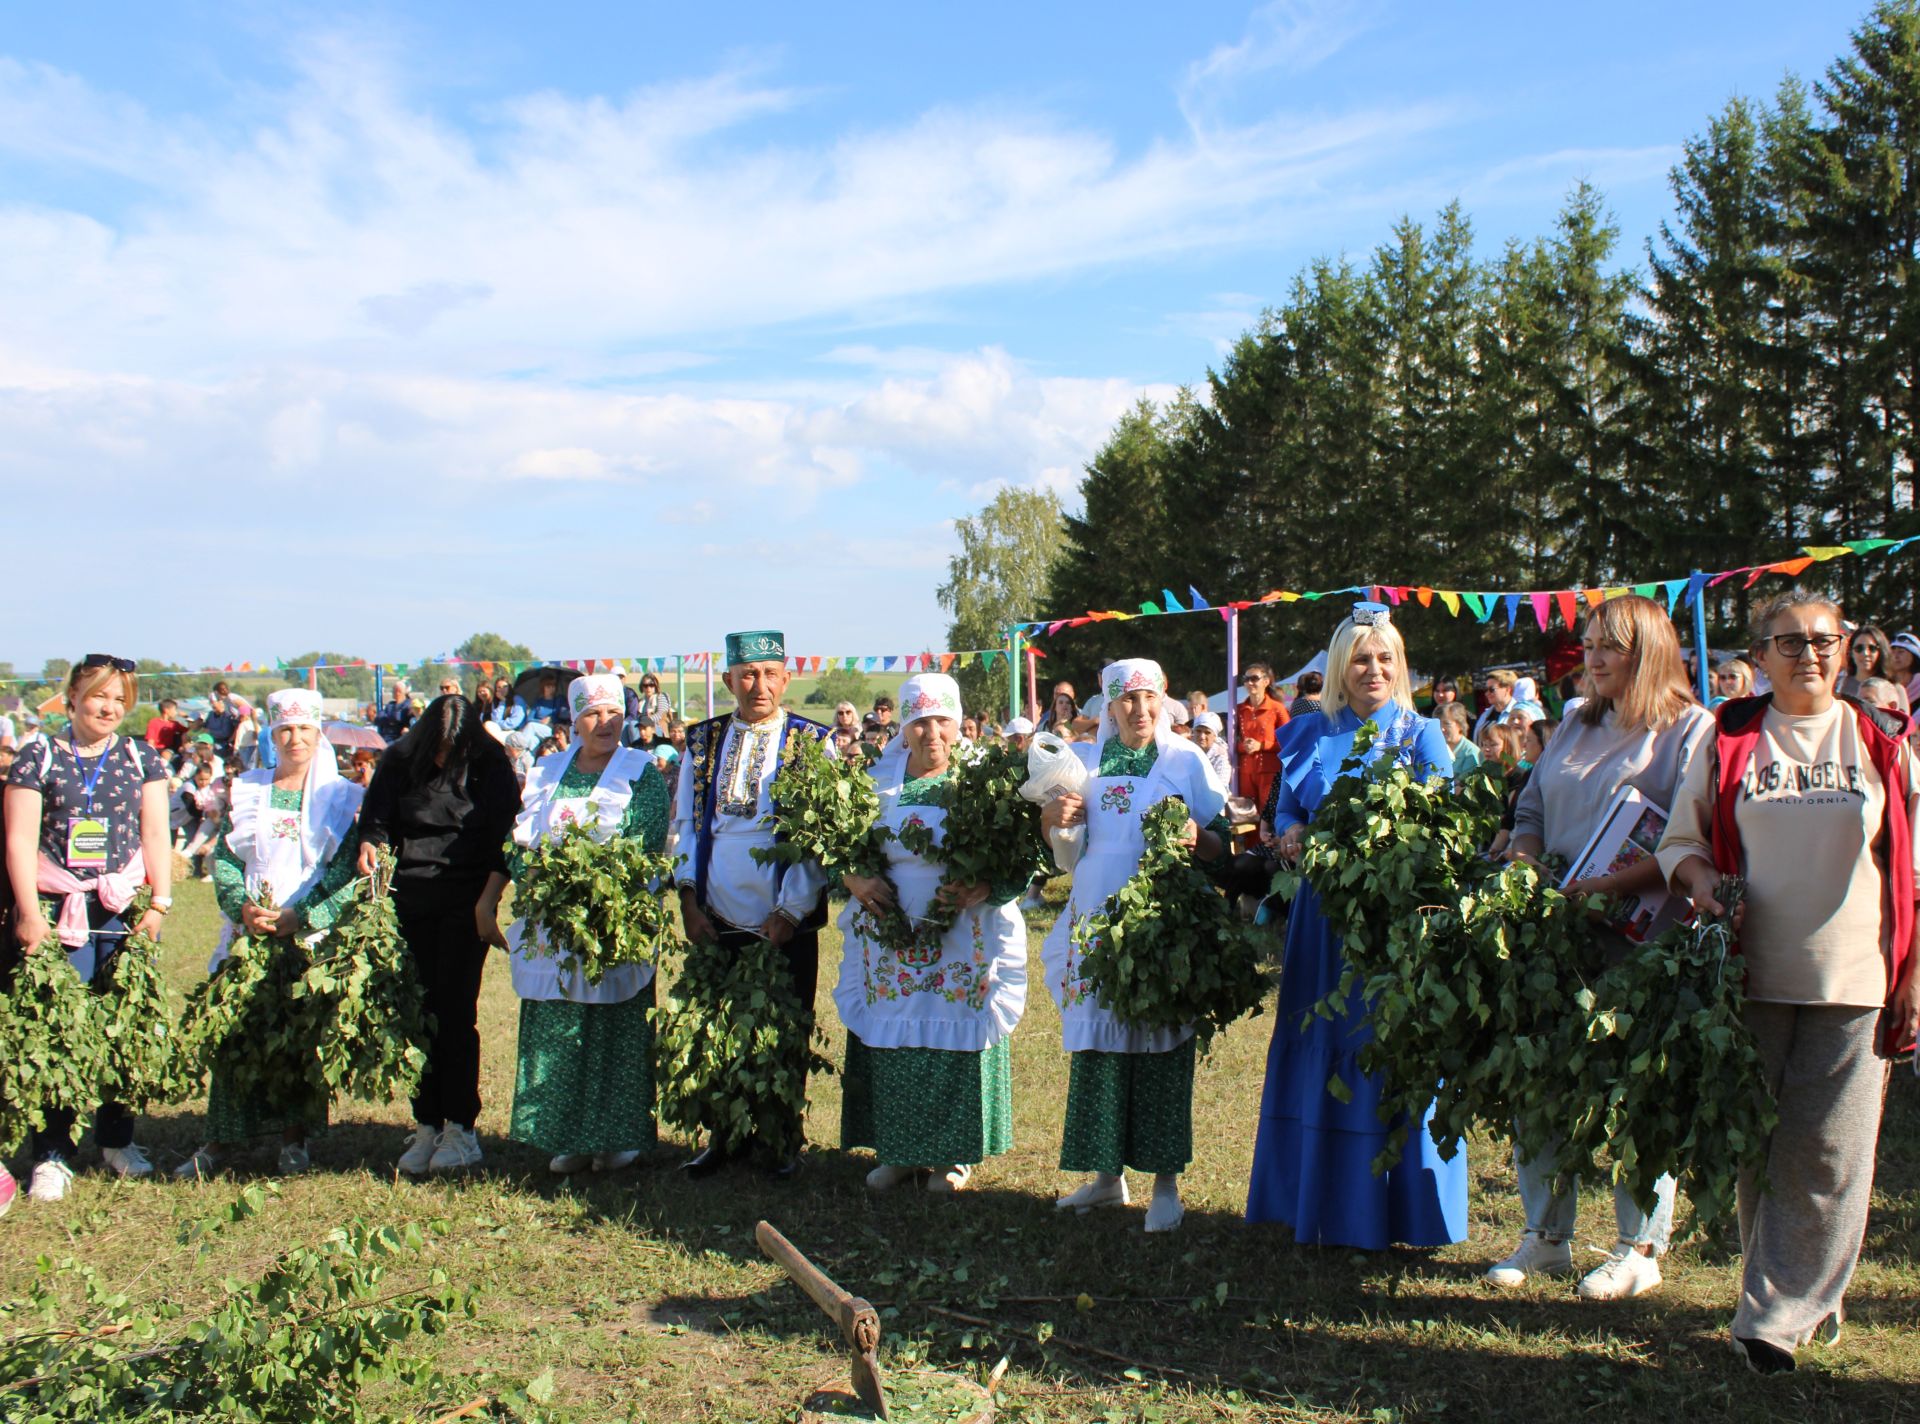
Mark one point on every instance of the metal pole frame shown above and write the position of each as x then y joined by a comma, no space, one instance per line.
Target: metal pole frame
1697,591
1232,718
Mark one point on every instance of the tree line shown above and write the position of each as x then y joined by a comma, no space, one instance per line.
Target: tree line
1547,417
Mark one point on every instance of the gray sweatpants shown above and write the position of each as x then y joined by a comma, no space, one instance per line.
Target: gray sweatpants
1800,1240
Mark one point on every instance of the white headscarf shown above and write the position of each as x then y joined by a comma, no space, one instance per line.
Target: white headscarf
1131,675
597,689
927,694
328,802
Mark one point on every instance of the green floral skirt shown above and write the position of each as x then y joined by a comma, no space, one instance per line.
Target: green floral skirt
927,1107
584,1082
1129,1110
233,1117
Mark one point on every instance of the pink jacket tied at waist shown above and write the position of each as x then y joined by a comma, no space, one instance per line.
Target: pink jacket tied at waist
116,890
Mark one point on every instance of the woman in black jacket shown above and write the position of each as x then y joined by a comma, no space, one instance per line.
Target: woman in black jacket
444,797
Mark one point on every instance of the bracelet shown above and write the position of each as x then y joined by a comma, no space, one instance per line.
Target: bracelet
161,904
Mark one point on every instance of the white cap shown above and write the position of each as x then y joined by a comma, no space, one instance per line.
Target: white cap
293,707
1209,720
1019,727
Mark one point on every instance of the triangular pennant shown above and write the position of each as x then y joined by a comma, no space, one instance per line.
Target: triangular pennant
1393,594
1792,568
1867,546
1673,593
1150,607
946,662
1512,601
1645,590
1822,552
888,662
1568,604
1594,596
1540,602
871,663
1451,600
1425,595
1196,601
1169,602
1755,577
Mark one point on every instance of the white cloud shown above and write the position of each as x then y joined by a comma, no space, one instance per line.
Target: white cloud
356,225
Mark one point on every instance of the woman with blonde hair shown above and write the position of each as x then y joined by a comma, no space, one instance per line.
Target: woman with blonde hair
86,818
1313,1158
1732,678
1639,727
1811,800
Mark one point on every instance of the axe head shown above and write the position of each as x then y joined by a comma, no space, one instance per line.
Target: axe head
866,1382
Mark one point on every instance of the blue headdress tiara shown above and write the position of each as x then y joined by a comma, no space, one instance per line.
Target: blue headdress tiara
1370,615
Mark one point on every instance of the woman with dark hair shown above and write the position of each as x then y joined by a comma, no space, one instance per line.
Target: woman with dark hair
1061,711
445,797
1869,654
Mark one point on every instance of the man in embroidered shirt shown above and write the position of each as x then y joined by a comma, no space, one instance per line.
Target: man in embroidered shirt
720,804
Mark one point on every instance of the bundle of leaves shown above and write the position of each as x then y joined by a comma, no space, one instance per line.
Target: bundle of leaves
147,1057
827,811
731,1049
294,1026
992,834
69,1048
1658,1073
55,1051
1460,965
1491,997
369,1007
1166,949
300,1341
595,903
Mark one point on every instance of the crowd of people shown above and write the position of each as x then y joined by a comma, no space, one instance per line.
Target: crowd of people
1799,776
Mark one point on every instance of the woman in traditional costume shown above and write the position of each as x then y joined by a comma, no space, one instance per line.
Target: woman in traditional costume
283,869
1313,1158
1130,1089
583,1089
928,1077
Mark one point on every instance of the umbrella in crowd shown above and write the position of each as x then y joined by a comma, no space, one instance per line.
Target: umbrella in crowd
353,734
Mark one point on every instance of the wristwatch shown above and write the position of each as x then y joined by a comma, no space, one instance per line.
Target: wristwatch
162,904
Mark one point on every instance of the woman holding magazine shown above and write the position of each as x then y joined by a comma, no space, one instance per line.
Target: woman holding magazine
1639,728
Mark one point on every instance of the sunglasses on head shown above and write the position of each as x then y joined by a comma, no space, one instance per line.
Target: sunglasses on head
95,660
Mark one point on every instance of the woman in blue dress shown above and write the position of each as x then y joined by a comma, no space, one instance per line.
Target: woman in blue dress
1313,1159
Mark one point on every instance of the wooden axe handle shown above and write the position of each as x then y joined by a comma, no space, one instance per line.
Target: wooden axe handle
810,1278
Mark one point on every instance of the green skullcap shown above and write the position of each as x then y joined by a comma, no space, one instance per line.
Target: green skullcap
765,646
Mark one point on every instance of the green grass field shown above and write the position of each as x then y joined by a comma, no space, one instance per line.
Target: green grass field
645,1296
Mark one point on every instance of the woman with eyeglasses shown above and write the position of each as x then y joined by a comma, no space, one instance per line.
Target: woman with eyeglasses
1639,727
1812,800
1869,655
87,824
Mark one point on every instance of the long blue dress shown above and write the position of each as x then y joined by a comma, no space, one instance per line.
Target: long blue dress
1313,1159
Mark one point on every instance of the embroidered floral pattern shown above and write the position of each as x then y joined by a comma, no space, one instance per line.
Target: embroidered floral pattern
1135,681
1118,798
926,702
891,976
285,828
740,770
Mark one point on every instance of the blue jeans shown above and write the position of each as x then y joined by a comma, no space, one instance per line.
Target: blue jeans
1552,1215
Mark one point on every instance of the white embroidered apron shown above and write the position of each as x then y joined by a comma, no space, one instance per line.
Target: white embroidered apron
546,976
1114,807
962,992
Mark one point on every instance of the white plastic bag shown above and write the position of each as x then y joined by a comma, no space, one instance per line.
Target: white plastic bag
1053,771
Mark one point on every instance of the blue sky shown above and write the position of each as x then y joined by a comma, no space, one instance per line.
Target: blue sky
613,327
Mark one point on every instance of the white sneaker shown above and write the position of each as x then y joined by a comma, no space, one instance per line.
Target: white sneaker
1622,1276
1535,1255
50,1181
9,1189
885,1178
615,1161
1166,1211
294,1159
456,1149
203,1164
950,1179
419,1151
128,1161
1102,1190
565,1164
